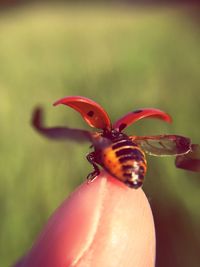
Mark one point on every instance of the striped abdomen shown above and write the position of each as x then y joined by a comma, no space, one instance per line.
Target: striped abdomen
126,161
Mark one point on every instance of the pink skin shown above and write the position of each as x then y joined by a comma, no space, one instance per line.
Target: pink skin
103,223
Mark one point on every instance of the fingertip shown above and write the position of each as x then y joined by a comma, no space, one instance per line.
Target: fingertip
126,232
103,223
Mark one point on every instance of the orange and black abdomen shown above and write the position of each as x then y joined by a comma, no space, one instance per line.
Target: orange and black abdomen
126,161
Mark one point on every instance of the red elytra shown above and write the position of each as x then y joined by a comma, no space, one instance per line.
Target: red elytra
91,112
121,155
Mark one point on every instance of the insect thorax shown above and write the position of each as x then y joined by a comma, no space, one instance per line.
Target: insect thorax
114,135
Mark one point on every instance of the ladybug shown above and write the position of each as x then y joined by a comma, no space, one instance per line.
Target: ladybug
121,155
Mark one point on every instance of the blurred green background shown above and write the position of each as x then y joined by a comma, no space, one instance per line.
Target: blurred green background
124,58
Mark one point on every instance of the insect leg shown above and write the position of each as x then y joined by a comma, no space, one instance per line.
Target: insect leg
92,159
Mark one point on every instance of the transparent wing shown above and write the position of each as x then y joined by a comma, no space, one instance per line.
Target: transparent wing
58,133
164,145
190,161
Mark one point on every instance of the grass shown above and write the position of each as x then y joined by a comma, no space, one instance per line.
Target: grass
122,58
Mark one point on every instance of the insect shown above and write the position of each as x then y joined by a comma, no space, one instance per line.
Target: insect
121,155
